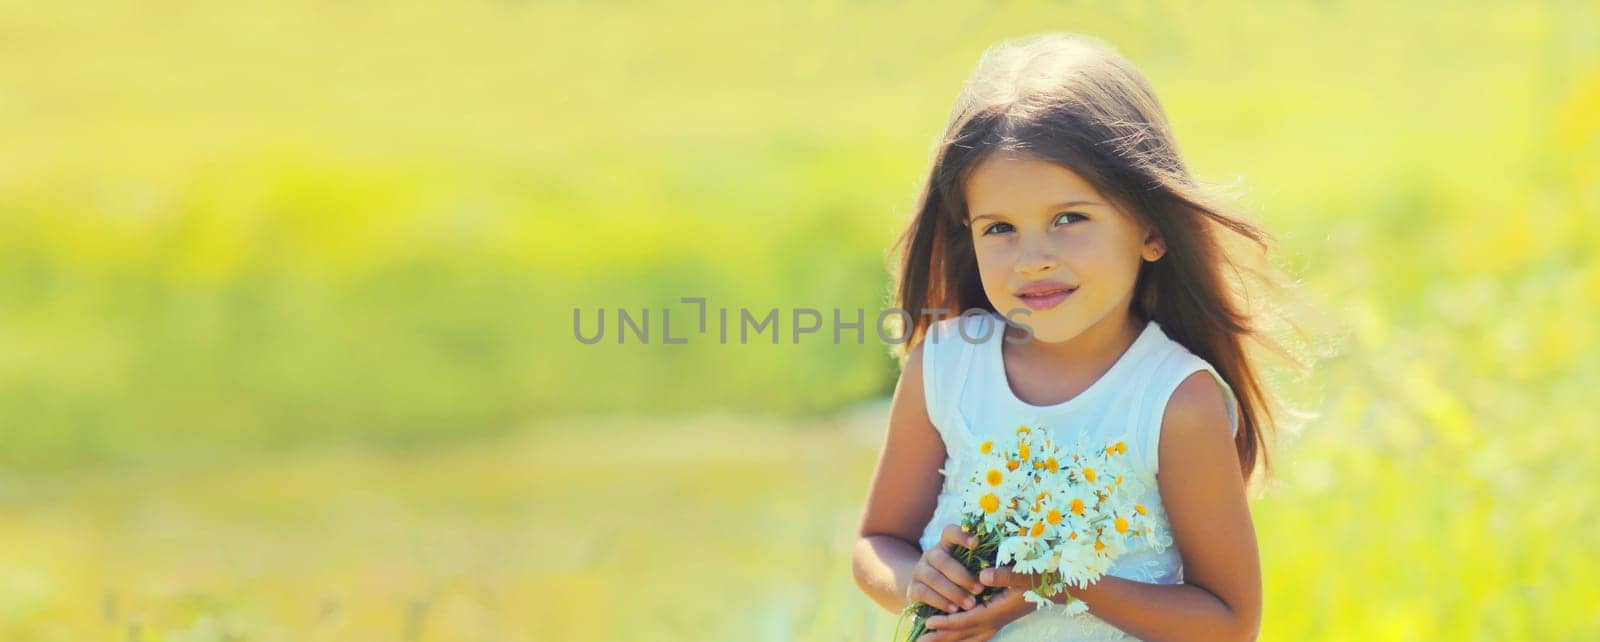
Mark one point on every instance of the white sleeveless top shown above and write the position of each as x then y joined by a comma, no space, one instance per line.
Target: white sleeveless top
969,399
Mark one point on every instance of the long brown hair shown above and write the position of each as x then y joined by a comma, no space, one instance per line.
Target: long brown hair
1074,101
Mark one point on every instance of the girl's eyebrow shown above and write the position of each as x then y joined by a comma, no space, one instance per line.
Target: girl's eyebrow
1057,206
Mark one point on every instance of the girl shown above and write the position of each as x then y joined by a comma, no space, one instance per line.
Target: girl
1059,215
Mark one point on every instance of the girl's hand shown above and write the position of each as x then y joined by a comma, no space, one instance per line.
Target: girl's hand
981,623
941,581
1004,577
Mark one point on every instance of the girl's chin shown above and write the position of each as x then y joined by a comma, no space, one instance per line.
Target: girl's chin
1045,331
1049,338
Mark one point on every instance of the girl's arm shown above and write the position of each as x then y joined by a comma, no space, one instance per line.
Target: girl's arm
903,495
1220,597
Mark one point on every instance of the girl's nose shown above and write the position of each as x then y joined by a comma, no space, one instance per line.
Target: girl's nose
1036,257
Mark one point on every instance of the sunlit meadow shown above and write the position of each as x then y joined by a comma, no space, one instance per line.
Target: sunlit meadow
286,298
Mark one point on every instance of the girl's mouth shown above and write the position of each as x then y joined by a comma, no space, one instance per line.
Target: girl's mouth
1046,300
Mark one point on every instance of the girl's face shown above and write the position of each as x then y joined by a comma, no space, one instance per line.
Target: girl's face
1048,242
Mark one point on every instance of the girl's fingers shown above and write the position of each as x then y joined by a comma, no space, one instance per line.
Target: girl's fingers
956,573
921,593
964,622
943,636
1000,576
952,535
935,579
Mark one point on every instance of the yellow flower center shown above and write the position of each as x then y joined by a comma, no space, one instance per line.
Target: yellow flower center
1052,465
1099,546
1054,517
1122,525
1122,448
1140,508
986,447
994,477
1088,473
1011,464
1022,449
1076,506
1038,529
990,503
1023,430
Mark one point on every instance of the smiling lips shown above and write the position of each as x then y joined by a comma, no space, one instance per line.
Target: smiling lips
1044,295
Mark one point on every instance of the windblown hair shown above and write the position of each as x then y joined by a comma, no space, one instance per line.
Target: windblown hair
1074,101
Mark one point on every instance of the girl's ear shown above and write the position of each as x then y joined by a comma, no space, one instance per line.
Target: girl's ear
1154,248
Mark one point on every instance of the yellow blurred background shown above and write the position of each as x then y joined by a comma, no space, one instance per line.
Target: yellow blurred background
287,289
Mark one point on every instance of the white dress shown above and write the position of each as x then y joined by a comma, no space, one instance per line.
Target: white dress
969,400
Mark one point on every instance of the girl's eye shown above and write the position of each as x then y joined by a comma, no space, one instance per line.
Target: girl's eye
1000,228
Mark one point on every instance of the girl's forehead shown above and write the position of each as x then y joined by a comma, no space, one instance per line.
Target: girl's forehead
1002,176
1018,185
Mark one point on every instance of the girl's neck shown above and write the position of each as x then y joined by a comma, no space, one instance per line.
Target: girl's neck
1094,349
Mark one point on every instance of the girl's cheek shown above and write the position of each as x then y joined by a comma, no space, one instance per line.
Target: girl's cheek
995,258
988,266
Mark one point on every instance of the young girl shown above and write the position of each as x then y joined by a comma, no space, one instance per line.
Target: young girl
1100,301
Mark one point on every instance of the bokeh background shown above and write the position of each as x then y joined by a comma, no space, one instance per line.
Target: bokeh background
286,298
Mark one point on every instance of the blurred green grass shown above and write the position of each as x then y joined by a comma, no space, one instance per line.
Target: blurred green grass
236,229
354,231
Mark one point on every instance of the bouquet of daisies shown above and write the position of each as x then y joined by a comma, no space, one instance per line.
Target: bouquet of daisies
1062,514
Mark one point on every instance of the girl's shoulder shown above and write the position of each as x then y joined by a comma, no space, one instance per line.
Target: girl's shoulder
1166,369
972,327
950,343
950,349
